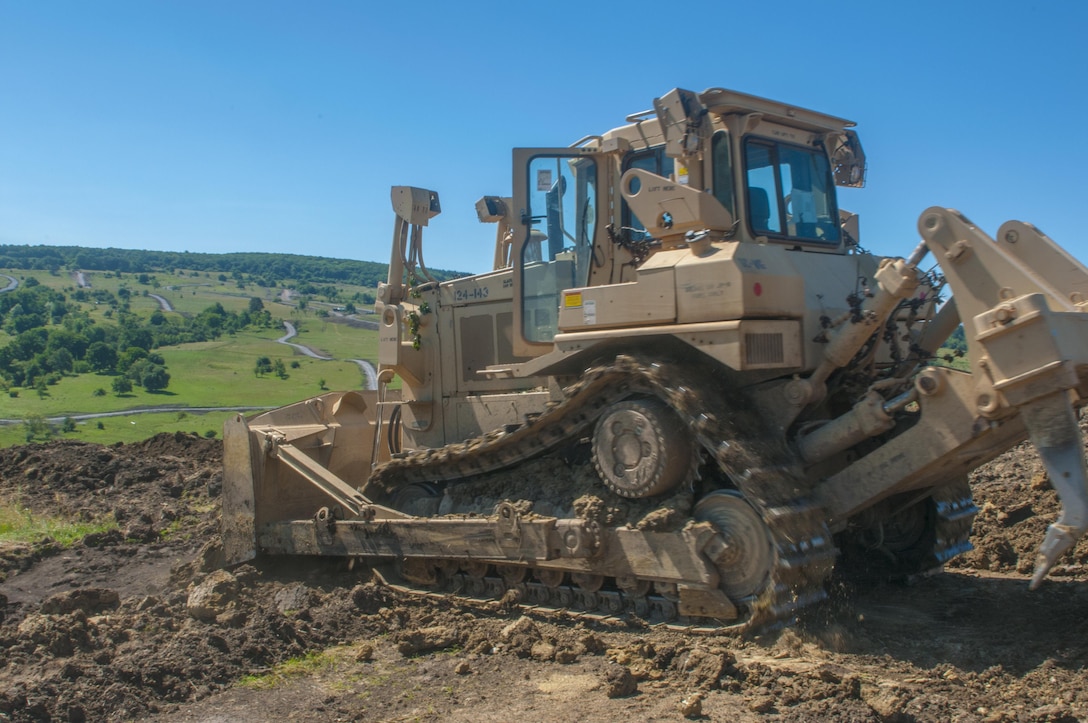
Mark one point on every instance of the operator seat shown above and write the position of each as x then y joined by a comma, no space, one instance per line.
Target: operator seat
534,247
759,206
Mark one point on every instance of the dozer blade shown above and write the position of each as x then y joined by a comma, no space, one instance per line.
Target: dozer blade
1052,426
292,462
239,532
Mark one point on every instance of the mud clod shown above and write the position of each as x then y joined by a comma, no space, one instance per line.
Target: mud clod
89,600
762,704
543,650
293,599
692,706
704,667
213,596
618,682
520,636
439,637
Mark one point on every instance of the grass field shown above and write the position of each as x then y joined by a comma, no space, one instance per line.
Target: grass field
20,526
128,428
219,373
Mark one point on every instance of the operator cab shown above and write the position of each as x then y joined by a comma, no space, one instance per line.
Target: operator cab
721,165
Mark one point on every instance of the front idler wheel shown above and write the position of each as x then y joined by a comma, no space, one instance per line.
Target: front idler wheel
746,560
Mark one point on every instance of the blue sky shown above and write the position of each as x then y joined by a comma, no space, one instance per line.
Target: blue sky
280,126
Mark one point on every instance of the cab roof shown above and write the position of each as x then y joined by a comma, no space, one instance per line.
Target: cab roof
725,102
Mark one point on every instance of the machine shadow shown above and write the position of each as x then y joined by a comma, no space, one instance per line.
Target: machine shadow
955,617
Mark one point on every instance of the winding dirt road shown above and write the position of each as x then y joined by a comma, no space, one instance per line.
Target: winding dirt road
367,368
292,332
369,372
163,303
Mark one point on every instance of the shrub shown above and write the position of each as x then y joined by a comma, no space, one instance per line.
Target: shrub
37,428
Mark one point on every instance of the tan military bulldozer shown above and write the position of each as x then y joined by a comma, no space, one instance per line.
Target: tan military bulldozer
683,387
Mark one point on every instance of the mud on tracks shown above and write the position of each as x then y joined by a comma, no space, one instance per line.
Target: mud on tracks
139,623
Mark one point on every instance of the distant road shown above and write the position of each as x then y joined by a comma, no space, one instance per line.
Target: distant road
163,303
13,283
368,369
353,321
291,334
369,372
139,410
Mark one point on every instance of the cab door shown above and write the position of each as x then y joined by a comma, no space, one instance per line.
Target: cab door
557,192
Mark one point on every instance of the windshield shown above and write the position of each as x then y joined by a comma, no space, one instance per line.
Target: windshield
790,192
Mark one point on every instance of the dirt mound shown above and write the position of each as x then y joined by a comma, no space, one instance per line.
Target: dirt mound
1016,503
88,480
136,622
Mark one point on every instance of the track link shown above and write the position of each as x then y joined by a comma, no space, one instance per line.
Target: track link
754,458
565,600
955,513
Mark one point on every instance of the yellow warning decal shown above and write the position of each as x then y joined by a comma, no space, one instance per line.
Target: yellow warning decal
572,301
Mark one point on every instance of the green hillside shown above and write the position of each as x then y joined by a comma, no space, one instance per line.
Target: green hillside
108,346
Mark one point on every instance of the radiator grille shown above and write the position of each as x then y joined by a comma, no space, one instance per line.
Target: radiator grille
763,349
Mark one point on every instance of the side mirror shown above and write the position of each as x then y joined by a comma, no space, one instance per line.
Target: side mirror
847,159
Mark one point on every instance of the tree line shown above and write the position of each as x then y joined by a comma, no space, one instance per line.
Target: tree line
265,268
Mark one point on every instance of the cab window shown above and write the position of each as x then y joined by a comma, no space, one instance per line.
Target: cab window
790,192
722,179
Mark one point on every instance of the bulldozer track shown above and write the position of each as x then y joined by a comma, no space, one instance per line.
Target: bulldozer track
565,600
956,512
951,513
734,436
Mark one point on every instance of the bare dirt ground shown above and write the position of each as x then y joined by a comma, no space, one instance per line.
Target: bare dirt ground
139,624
